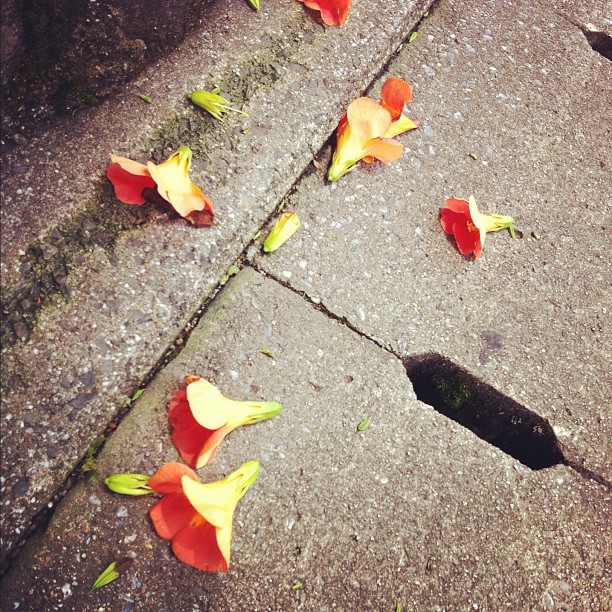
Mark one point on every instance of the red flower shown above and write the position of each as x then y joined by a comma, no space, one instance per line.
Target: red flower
333,12
201,417
469,226
197,517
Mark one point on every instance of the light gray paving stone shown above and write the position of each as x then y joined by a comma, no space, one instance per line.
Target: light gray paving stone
521,90
413,509
130,298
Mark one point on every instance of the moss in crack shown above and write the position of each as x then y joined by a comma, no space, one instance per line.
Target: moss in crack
201,132
46,265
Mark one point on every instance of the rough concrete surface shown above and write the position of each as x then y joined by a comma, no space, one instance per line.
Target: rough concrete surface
414,509
131,291
522,90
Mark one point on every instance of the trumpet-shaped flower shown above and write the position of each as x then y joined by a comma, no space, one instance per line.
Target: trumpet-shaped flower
469,226
167,184
333,12
212,102
395,94
201,417
359,137
175,186
285,227
130,179
197,517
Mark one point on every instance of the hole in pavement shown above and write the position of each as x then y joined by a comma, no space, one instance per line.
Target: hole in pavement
492,416
600,42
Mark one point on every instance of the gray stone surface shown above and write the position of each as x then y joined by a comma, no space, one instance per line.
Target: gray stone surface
593,15
522,90
414,509
130,292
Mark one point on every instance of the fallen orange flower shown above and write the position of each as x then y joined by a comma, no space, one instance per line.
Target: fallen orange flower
167,184
175,186
360,136
197,517
333,12
201,417
469,226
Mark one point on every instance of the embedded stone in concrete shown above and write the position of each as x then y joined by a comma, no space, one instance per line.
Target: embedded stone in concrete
414,509
530,317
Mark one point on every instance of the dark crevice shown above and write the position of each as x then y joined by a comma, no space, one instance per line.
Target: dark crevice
600,42
492,416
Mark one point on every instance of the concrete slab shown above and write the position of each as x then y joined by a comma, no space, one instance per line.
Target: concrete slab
129,290
414,509
523,92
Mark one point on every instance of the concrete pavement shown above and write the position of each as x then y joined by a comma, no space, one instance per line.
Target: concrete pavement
416,508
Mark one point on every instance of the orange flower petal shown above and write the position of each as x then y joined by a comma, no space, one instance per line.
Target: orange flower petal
468,241
395,94
367,119
333,12
171,514
384,149
196,444
196,545
168,478
460,206
130,179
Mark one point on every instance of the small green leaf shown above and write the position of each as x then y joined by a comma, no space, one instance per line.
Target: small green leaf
364,424
257,235
267,353
398,607
233,270
297,585
254,4
473,155
137,394
413,37
145,98
281,206
426,14
112,572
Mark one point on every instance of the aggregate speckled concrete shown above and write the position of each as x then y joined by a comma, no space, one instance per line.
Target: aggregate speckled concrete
128,302
523,92
414,508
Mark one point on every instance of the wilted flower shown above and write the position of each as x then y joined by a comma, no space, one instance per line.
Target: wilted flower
333,12
212,102
360,136
175,186
285,227
469,226
167,184
201,417
197,517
